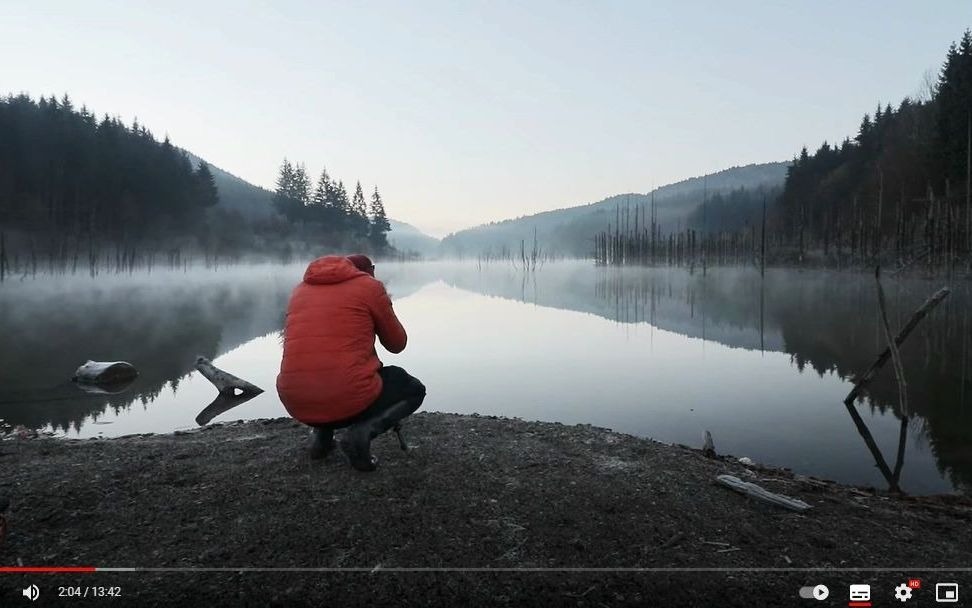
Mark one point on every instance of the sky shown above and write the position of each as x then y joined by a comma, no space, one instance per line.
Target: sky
463,112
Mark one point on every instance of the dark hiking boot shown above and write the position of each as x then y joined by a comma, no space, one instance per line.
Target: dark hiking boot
356,445
322,443
356,442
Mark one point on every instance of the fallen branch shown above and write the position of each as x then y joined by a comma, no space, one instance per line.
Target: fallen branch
754,491
918,315
225,383
890,476
898,367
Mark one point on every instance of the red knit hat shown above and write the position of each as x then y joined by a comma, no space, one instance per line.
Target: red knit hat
362,263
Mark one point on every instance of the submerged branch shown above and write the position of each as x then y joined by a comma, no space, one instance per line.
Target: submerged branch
916,317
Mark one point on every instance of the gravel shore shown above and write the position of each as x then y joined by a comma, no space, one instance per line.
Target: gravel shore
494,511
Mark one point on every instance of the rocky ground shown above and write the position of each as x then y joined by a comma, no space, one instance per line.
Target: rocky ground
488,511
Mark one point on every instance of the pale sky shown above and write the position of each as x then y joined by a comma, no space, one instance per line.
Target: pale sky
464,112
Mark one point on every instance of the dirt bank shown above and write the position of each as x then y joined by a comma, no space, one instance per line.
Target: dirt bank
474,492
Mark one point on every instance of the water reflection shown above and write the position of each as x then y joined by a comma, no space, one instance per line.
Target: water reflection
158,322
661,353
826,321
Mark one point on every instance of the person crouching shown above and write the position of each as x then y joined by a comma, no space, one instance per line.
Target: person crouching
330,376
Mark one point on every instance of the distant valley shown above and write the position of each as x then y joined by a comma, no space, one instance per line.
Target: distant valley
567,231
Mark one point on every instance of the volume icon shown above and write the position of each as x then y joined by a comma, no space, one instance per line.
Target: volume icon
31,593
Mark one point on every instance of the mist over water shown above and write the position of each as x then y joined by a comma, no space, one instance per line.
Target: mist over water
661,353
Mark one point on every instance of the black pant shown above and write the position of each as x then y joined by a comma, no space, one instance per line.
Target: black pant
396,386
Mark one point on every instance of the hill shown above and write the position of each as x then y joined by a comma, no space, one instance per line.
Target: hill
570,231
252,202
256,203
407,238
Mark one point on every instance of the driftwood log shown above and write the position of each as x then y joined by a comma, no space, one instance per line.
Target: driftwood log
754,491
105,372
225,383
233,391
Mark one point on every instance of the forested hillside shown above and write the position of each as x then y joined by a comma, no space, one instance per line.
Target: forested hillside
237,194
73,186
899,190
571,231
79,193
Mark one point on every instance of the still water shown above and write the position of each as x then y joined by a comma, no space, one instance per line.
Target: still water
662,353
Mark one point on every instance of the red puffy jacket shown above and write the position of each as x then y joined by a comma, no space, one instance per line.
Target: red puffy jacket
330,368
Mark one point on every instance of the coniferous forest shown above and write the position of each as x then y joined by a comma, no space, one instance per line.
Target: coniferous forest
897,193
326,209
83,194
79,193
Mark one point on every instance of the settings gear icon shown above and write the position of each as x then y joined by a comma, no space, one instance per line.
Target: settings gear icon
902,592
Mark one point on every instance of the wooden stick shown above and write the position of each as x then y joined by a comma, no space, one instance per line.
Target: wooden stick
755,491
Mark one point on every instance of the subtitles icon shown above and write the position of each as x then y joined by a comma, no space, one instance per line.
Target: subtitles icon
860,596
31,593
946,593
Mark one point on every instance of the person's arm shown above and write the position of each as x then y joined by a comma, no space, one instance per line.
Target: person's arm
387,326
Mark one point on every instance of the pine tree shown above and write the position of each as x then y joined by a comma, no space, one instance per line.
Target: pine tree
325,204
865,130
283,197
319,199
207,194
953,101
379,225
359,213
301,191
341,202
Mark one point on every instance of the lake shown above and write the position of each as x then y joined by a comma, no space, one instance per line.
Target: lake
764,364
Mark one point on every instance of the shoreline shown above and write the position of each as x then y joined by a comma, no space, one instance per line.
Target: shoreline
493,494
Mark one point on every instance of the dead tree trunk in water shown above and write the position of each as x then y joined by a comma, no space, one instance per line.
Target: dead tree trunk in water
762,246
895,355
859,386
916,317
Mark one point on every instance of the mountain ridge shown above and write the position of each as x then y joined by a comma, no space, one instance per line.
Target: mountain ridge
569,230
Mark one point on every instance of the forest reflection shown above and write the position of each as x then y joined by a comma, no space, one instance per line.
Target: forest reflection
826,322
